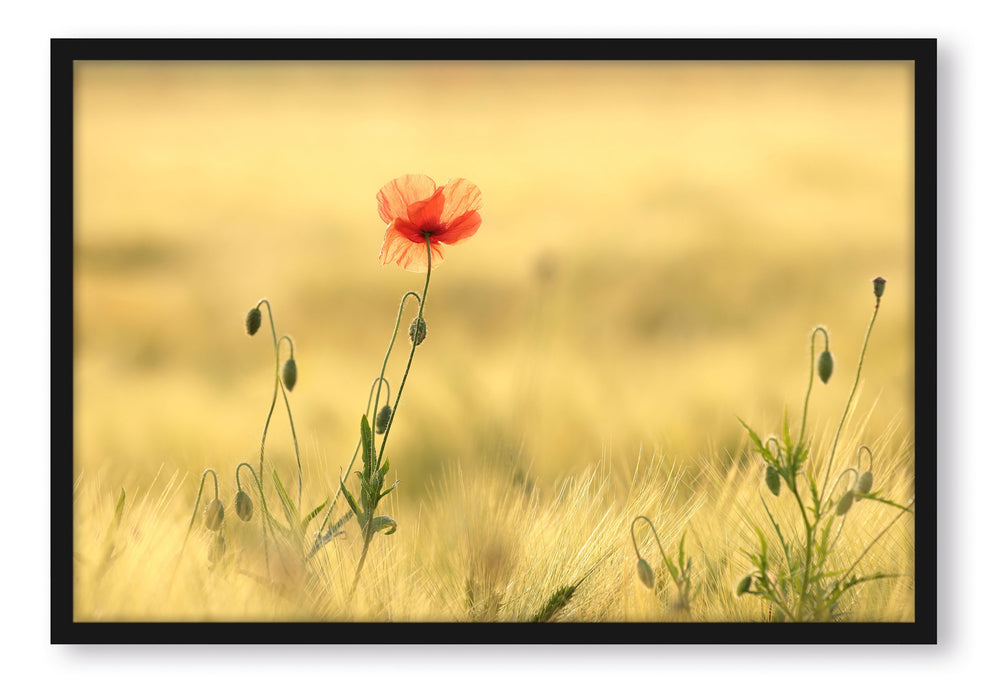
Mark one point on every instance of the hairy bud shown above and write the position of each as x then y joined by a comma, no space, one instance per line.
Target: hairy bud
289,374
825,366
773,480
845,503
417,331
253,321
864,484
381,421
213,515
243,506
645,573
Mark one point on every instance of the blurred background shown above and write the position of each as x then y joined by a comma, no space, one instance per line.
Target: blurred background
658,242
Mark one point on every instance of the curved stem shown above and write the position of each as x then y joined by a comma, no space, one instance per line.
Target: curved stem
666,561
264,434
391,344
811,379
199,495
412,352
368,531
292,425
859,369
859,457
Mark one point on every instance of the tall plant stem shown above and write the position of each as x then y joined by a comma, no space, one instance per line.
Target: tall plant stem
369,532
811,380
845,413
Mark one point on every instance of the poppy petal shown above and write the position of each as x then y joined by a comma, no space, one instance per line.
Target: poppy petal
407,254
426,215
461,228
396,196
460,197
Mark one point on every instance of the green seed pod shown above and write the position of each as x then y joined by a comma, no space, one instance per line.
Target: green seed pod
864,483
213,515
243,506
878,284
289,374
845,503
253,320
773,480
825,366
743,586
417,331
381,421
645,573
218,547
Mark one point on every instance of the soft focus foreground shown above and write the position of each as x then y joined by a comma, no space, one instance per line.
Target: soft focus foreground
658,242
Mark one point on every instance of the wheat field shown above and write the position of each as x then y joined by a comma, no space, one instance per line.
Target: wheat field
658,242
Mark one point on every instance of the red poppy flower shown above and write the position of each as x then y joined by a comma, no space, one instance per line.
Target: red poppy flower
417,211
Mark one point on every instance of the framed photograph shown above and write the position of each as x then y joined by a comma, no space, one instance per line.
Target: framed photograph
493,341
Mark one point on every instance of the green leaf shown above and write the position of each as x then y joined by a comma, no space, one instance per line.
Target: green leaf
287,506
316,511
381,522
764,452
367,446
118,512
389,490
350,500
872,497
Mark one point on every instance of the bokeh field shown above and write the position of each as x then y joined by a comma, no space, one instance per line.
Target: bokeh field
658,242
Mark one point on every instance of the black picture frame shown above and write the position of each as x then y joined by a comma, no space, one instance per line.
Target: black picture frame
922,52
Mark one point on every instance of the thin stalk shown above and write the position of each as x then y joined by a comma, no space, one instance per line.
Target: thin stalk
859,369
368,531
811,379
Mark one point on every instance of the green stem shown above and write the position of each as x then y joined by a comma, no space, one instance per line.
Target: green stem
368,531
264,435
292,425
811,380
859,369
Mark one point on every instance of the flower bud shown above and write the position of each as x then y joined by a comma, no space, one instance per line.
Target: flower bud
417,331
845,503
243,506
825,366
878,284
864,483
253,320
218,547
213,515
645,573
743,586
289,374
381,421
773,480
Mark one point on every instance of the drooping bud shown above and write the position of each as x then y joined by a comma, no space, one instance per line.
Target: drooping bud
253,320
825,366
773,480
743,586
213,515
243,506
218,548
417,331
878,284
645,573
289,374
381,421
845,503
864,484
